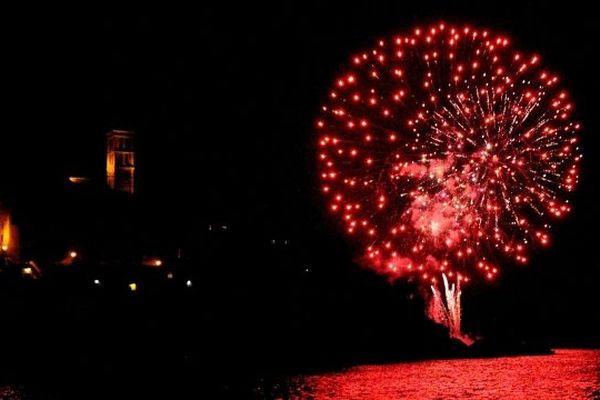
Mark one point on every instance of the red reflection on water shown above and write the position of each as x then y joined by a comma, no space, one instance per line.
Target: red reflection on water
569,374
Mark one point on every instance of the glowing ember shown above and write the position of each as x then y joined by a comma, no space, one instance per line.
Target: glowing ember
445,150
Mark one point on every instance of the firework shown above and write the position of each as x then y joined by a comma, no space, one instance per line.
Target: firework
446,151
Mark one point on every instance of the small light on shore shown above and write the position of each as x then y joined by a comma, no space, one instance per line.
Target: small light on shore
73,254
97,282
188,283
170,275
154,262
78,179
133,286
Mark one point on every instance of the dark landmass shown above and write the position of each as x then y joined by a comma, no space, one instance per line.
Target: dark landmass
79,331
230,306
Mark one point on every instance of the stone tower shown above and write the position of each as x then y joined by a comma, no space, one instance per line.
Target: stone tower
120,161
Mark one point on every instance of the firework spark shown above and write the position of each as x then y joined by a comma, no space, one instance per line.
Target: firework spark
446,151
446,309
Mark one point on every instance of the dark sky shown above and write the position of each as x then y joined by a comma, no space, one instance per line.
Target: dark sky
223,97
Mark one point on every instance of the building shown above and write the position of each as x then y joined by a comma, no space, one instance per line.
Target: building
9,236
120,161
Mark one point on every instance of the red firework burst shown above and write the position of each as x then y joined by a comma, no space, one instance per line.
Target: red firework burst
445,150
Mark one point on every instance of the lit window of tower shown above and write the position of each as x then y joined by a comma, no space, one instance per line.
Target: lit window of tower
120,160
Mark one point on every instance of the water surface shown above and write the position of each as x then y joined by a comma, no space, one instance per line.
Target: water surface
568,374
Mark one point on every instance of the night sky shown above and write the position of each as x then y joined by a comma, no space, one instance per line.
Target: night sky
223,99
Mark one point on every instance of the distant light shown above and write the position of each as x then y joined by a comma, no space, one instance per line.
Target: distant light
133,286
273,241
4,247
78,179
170,275
307,270
73,254
27,271
224,227
188,283
153,262
96,282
